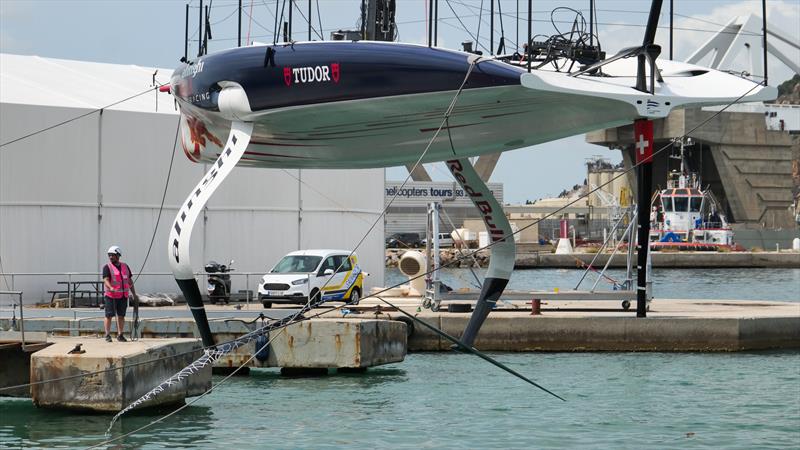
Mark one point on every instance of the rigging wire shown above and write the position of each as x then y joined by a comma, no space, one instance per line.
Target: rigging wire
308,21
225,18
5,280
163,198
456,341
475,38
480,19
444,121
502,43
319,17
257,23
452,104
249,22
455,260
275,27
278,22
155,229
442,333
322,194
190,402
314,301
89,113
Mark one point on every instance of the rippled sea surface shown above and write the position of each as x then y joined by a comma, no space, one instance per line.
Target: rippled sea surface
614,400
442,400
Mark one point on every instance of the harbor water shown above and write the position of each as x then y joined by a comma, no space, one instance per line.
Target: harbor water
709,284
442,400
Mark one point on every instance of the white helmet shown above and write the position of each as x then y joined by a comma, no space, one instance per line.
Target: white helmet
115,249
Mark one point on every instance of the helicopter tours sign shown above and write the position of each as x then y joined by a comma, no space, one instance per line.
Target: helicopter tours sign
420,193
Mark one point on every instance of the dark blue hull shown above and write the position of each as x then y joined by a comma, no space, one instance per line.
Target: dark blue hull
369,104
321,72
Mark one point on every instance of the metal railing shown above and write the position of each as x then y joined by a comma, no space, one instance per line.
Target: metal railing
12,279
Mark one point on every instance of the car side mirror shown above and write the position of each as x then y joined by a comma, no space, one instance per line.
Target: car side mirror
328,272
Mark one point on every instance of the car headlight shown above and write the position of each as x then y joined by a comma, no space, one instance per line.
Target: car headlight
300,281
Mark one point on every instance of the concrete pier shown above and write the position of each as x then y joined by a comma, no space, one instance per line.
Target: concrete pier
326,344
15,360
670,326
334,342
147,363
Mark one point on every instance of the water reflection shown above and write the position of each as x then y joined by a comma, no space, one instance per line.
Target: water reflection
25,425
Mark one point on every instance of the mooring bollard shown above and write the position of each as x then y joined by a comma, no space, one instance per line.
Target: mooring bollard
536,307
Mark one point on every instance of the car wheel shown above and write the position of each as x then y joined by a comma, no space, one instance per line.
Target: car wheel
355,296
267,305
315,297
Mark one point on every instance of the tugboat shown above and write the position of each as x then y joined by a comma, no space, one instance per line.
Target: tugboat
685,217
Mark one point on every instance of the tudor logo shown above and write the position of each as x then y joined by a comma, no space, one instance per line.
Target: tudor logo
287,76
335,72
311,74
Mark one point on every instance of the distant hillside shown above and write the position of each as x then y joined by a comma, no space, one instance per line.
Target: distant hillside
789,91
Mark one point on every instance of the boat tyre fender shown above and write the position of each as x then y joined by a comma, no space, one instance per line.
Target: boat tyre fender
409,325
262,349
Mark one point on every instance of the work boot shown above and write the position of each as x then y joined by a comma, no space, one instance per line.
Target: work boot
108,338
121,338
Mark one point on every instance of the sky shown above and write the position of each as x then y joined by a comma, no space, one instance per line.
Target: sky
151,33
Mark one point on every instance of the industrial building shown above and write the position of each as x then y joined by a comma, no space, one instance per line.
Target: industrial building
86,158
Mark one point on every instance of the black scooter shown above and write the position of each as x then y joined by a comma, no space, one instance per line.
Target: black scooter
219,282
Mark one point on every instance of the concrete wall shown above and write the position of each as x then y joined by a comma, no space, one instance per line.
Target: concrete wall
69,193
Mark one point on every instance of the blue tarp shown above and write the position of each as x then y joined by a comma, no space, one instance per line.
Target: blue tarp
670,237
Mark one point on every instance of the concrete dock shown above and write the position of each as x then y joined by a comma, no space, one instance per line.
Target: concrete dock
88,378
564,325
15,360
371,334
670,326
334,342
73,348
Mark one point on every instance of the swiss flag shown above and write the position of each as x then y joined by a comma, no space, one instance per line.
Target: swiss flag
643,140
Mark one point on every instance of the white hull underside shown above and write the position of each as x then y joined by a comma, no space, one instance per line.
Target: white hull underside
393,131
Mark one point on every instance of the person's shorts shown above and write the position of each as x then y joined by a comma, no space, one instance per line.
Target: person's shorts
116,306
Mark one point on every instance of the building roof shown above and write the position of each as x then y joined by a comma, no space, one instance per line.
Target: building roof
33,80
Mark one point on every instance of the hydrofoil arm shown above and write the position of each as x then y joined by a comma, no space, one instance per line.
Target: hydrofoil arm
503,249
181,232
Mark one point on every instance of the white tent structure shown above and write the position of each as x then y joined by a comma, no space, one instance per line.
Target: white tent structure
68,193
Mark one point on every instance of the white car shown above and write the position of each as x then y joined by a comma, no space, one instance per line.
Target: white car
306,274
445,240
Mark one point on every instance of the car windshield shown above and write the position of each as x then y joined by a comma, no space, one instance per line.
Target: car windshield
292,264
